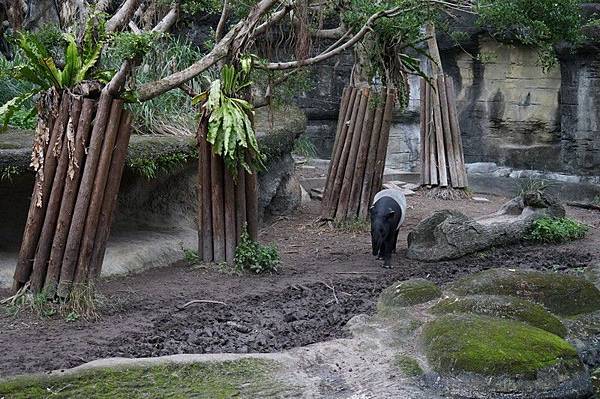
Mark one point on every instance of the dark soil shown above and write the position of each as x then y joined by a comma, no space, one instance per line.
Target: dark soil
327,276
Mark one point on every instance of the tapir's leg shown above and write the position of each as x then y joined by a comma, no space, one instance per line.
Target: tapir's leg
387,253
395,241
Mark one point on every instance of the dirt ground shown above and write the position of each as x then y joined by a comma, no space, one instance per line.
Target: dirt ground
327,276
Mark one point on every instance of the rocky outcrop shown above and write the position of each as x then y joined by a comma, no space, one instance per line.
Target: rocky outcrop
449,234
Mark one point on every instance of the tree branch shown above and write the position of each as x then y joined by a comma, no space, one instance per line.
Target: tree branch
222,20
333,52
168,20
335,33
123,15
273,19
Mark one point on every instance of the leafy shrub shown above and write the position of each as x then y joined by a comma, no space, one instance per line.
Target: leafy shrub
556,230
304,147
256,258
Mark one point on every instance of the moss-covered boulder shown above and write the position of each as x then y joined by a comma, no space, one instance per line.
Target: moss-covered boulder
408,293
490,346
563,295
503,307
408,366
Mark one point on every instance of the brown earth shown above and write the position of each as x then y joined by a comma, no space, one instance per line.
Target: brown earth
327,276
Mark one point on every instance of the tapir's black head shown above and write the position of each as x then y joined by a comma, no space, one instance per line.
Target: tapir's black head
384,221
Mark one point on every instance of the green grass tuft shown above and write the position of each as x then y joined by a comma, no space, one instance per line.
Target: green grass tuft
254,257
408,366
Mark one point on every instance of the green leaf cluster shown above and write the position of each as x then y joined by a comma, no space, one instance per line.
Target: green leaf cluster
556,230
230,130
256,258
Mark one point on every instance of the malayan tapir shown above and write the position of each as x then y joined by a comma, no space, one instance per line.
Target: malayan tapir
387,214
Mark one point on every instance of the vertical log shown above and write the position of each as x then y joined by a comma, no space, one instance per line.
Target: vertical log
367,188
361,159
40,263
342,208
91,224
218,211
207,226
384,136
200,188
69,193
433,174
240,202
446,131
439,135
345,150
230,222
456,136
67,272
252,204
425,176
109,204
329,198
35,217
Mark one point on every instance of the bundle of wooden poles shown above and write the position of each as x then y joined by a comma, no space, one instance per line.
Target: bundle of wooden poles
82,157
357,163
442,159
227,203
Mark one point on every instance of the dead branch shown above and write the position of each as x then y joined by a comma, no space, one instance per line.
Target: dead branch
222,20
168,20
123,15
584,205
195,301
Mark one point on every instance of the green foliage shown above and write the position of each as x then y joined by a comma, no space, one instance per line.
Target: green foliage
304,147
240,378
129,45
150,167
230,130
72,316
352,225
489,346
540,23
556,230
8,172
408,366
254,257
191,256
532,186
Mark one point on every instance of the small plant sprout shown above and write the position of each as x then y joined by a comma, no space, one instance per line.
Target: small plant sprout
253,257
556,230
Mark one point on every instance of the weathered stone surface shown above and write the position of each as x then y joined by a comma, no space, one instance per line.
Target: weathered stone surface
504,307
562,294
407,293
449,234
484,357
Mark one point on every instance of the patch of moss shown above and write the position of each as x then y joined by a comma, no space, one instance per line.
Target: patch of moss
488,346
407,293
8,146
503,307
241,378
596,381
562,294
150,156
408,366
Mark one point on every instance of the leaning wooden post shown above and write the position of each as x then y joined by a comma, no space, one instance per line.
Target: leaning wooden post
71,255
252,204
383,142
230,222
240,202
71,187
218,211
109,204
40,263
39,199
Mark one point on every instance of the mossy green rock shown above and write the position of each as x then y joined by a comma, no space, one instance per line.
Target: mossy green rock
408,366
563,295
488,346
408,293
246,378
503,307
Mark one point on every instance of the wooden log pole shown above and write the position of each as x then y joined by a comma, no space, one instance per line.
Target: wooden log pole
202,185
361,159
433,163
40,263
70,258
37,207
240,203
446,130
230,222
384,137
218,211
71,187
439,136
93,215
459,154
329,196
342,208
346,95
345,150
109,203
252,204
425,176
365,196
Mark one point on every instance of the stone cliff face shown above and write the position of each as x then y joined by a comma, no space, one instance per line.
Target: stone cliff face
511,112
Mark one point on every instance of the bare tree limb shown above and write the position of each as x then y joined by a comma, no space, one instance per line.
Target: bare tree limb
122,16
273,19
335,33
168,20
333,52
222,20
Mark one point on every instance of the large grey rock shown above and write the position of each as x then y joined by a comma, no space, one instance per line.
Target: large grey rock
449,234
